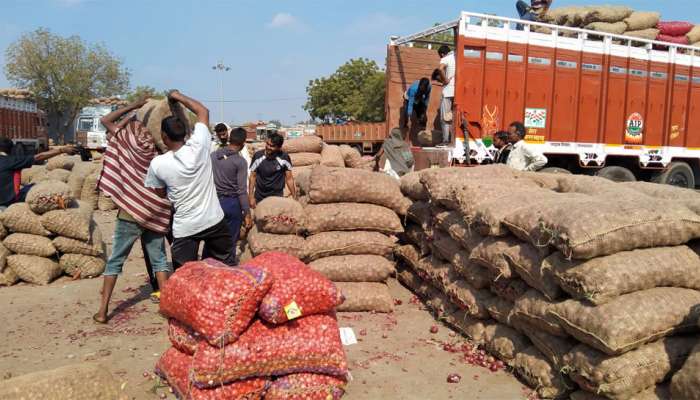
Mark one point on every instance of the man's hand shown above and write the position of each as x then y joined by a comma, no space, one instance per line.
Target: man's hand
70,150
248,221
252,202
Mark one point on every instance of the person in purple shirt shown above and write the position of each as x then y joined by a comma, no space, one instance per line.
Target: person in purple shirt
230,178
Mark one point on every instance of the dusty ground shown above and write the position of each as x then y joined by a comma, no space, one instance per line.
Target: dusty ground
396,358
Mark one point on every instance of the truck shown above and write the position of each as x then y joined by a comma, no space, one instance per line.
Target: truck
21,120
366,137
89,131
594,103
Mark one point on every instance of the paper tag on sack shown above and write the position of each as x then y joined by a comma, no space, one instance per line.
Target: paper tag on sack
292,310
347,336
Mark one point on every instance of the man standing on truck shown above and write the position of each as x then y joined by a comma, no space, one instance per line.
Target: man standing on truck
535,11
11,167
448,68
416,99
231,179
523,157
184,175
270,170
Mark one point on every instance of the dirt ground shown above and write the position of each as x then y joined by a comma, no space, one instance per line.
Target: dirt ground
397,357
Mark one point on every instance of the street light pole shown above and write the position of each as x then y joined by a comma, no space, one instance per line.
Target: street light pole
222,68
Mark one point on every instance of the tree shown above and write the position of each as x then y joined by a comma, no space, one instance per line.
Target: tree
355,90
276,123
145,91
64,74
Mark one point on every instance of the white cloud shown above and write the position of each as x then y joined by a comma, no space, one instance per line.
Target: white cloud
285,20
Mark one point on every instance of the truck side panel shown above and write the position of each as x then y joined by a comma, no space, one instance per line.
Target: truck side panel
655,122
516,73
566,96
540,84
693,135
589,101
494,87
678,126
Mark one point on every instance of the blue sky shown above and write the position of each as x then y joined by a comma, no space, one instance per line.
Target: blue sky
273,47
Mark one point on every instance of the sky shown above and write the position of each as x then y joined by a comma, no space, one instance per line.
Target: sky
273,47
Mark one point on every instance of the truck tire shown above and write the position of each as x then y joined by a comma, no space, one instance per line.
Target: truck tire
617,174
555,170
678,174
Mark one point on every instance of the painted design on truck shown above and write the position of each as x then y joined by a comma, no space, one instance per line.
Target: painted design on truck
536,118
489,121
634,134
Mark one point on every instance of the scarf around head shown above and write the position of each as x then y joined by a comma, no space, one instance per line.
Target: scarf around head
398,152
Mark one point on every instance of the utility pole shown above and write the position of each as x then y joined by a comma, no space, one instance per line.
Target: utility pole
221,68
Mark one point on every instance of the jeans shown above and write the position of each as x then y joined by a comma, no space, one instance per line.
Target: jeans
233,214
218,244
125,235
445,108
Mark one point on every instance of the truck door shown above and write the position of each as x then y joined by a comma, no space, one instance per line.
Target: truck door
470,85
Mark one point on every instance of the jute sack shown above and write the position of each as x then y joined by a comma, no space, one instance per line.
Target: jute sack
631,320
419,213
648,34
491,254
89,193
351,217
336,185
624,376
8,277
687,197
76,180
539,374
509,289
601,227
444,184
487,214
304,144
412,188
686,382
442,307
603,279
305,159
331,156
3,232
82,266
356,268
69,223
33,269
365,297
528,263
352,157
329,244
413,234
279,215
62,162
553,348
60,175
84,381
532,309
105,203
617,28
569,16
49,196
154,112
504,342
4,253
661,392
302,179
694,34
455,225
449,250
610,14
31,245
639,20
29,173
21,219
95,247
260,242
500,310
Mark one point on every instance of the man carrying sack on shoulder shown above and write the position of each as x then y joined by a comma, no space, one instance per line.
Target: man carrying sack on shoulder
143,214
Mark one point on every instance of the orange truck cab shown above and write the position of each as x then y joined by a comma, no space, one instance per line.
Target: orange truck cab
596,103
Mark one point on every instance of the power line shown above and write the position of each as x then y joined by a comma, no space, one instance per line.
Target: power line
256,100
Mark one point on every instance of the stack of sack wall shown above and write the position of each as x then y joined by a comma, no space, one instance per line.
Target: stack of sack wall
49,235
555,273
266,329
346,230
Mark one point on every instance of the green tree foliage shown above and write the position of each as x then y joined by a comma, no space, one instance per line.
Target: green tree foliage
140,92
355,90
64,74
276,123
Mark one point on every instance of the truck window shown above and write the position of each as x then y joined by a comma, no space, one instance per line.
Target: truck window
101,128
85,124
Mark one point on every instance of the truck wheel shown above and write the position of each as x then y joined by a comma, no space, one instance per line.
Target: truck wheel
617,174
676,174
555,170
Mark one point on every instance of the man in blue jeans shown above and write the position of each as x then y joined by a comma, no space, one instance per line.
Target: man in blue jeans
230,178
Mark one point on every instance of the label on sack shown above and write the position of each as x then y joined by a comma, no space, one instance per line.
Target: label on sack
292,310
347,336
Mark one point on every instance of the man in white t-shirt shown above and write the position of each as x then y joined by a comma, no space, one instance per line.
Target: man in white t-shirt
447,69
184,174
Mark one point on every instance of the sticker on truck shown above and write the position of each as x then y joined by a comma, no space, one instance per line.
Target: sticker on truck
536,118
634,133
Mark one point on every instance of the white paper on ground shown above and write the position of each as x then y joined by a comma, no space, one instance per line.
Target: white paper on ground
347,336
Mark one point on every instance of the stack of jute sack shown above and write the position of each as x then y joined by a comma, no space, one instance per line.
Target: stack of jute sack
266,329
571,280
345,230
47,236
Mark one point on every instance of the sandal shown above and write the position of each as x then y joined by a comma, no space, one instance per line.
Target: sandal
99,320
